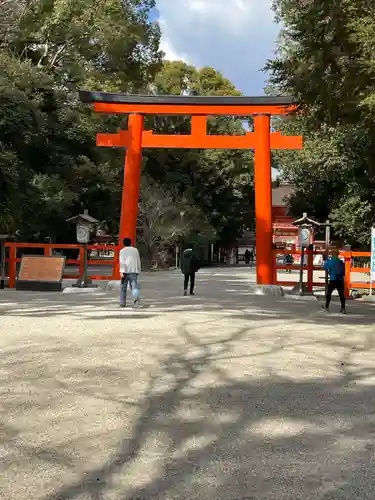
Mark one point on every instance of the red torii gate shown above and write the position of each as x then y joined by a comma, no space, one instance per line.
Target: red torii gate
262,140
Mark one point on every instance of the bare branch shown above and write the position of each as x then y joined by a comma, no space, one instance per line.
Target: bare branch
44,55
59,53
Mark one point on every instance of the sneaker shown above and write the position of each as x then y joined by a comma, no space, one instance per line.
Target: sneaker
343,310
185,293
122,306
192,293
324,308
136,304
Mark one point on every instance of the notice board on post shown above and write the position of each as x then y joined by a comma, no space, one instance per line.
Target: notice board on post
41,273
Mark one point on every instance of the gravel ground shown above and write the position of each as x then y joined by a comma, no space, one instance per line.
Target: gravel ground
220,396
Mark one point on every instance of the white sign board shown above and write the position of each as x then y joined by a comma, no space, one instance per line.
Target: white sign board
83,233
318,260
372,268
304,237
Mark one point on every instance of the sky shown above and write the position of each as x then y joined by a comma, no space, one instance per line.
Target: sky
236,37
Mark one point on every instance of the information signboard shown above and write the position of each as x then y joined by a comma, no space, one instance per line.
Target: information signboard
41,273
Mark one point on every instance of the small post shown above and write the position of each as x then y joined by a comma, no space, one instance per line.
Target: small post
47,251
372,258
86,281
348,268
3,238
177,251
116,263
12,266
211,255
327,243
2,282
310,269
301,287
274,267
83,280
81,258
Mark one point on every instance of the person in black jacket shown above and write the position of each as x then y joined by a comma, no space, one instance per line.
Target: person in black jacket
288,261
247,256
189,266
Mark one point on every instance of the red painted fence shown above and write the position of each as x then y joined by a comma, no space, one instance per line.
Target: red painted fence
310,268
47,248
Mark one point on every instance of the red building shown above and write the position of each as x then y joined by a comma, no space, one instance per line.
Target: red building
285,234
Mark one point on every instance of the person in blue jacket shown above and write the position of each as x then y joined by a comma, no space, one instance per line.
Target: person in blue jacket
336,270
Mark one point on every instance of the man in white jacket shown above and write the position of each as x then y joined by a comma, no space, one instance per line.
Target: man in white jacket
130,268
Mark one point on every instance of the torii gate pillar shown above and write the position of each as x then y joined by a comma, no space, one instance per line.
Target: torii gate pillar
263,200
132,179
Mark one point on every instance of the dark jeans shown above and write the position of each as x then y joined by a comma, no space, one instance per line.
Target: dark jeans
131,280
190,277
339,286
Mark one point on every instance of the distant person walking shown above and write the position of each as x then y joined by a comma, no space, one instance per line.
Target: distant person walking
130,268
288,261
189,267
247,256
251,256
336,270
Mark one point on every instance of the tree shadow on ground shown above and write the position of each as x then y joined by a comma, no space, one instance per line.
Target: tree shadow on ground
203,432
224,293
248,307
223,416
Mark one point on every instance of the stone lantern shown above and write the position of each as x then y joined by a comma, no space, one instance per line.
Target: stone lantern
85,227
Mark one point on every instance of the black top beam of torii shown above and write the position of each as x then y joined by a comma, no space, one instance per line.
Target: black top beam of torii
88,97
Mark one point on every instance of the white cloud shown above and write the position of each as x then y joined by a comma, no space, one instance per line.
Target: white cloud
170,53
235,37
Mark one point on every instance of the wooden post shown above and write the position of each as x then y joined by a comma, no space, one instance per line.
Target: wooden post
132,179
47,251
2,264
274,266
82,259
263,199
12,266
348,268
301,269
310,270
116,264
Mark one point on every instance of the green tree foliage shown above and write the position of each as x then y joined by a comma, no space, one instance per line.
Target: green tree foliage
325,56
166,219
110,44
50,167
325,60
219,182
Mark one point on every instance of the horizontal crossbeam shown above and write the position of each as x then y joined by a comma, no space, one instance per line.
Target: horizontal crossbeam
199,141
